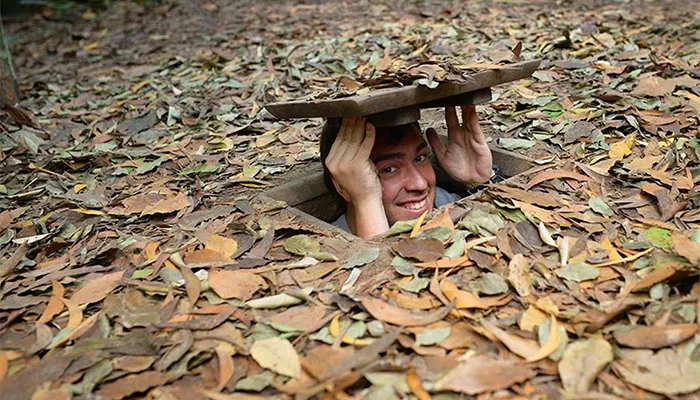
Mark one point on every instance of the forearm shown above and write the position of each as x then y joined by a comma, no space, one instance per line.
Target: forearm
367,219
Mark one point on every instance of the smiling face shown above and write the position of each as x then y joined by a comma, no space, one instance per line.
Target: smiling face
405,173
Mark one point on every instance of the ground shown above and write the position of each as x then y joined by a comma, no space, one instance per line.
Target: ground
137,260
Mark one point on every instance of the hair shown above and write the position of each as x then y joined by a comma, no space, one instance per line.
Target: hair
390,134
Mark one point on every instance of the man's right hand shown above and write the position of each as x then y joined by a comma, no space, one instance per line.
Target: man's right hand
354,174
355,177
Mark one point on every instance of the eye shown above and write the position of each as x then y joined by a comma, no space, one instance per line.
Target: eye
388,170
421,158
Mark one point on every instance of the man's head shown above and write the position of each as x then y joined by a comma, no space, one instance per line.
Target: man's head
401,157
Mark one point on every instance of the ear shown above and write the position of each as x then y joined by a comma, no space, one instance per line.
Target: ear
344,194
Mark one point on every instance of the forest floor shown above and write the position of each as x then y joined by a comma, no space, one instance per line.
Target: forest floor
136,258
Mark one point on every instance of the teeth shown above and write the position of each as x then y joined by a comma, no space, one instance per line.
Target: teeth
416,206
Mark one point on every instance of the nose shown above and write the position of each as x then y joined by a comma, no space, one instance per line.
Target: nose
415,181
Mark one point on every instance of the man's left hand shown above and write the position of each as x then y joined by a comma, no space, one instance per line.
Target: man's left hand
467,157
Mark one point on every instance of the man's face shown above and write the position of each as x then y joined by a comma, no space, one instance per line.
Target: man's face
406,175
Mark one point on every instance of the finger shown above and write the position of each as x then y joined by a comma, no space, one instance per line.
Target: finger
366,146
451,119
477,135
353,139
339,145
435,143
357,134
467,111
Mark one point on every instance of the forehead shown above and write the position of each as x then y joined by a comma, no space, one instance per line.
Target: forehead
405,141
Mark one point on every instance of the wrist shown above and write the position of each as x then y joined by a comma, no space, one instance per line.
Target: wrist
367,217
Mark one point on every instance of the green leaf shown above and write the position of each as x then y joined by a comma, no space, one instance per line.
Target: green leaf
430,337
402,226
599,205
356,330
95,375
491,283
659,237
201,169
149,166
256,383
173,115
441,233
302,245
515,144
416,285
141,273
578,272
362,257
276,301
404,267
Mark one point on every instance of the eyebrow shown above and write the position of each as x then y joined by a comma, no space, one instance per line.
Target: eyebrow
398,155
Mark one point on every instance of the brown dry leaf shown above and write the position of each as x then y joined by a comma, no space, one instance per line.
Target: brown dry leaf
481,373
655,337
384,63
443,220
519,275
321,359
55,305
551,345
581,363
654,86
420,249
686,248
47,393
206,257
525,348
97,289
416,386
462,298
235,284
422,302
133,363
136,383
301,318
446,263
168,205
192,285
665,372
278,355
384,311
4,365
221,244
224,352
554,174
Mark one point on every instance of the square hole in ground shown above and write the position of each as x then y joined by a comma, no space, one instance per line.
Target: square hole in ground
311,198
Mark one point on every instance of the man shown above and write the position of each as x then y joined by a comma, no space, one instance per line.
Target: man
386,176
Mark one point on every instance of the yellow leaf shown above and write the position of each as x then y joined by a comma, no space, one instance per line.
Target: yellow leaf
416,387
221,244
75,314
226,367
87,211
531,318
55,305
278,355
334,330
622,148
77,188
551,345
416,226
135,88
613,255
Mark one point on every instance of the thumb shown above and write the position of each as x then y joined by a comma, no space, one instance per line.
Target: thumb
435,143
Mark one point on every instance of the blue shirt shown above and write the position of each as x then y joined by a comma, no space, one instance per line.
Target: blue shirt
442,197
